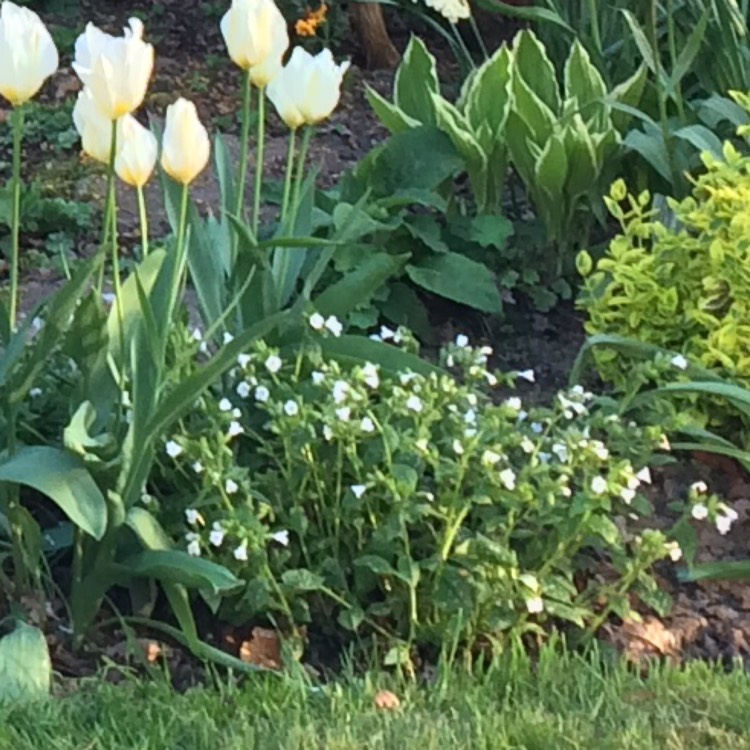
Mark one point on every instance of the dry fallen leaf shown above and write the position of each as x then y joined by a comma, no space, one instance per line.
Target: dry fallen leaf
385,700
263,649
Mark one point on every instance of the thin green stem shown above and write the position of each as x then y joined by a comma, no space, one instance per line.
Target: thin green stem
300,177
17,117
144,222
595,32
112,203
288,176
106,226
478,35
244,144
259,158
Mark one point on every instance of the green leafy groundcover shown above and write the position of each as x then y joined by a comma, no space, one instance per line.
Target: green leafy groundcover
561,701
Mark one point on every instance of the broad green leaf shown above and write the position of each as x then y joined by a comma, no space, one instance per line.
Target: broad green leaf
357,287
583,169
458,278
63,478
404,308
652,148
531,63
394,118
25,665
415,82
356,350
428,230
490,231
148,529
376,564
77,437
731,570
423,159
301,579
177,567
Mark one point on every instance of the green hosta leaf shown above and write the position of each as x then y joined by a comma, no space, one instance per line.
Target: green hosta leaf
584,83
552,170
583,167
25,666
531,63
458,278
536,114
177,567
394,118
487,99
301,579
63,478
416,80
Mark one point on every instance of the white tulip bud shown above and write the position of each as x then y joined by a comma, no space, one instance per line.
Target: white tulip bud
185,146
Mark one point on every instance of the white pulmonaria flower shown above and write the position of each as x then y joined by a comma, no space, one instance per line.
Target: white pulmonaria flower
414,403
367,425
317,377
236,413
243,360
194,545
470,417
628,495
535,605
317,321
490,458
599,485
527,375
458,449
340,391
462,341
243,389
600,451
291,408
327,433
724,522
262,394
225,405
386,334
527,445
334,325
343,413
35,392
508,479
699,487
192,516
358,490
197,334
370,375
235,428
197,467
273,364
674,551
514,403
240,553
281,537
231,487
216,537
679,362
644,475
561,451
537,428
173,449
699,512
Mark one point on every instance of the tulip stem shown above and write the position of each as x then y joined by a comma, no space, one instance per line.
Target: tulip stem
245,146
306,137
111,213
144,222
259,158
288,180
104,239
16,228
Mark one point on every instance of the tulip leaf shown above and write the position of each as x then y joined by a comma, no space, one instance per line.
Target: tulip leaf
25,665
62,477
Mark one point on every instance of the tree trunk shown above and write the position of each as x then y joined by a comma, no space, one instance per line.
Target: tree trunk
370,25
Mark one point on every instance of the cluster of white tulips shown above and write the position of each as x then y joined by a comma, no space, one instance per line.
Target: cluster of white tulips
115,72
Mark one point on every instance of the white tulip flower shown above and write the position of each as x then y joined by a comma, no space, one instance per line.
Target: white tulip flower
136,153
28,55
256,36
308,88
116,69
185,146
94,128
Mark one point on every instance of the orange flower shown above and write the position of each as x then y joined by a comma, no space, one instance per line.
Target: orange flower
308,26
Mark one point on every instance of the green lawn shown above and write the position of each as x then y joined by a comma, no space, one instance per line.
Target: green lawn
567,703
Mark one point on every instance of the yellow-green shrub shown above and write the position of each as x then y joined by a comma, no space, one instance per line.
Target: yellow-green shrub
682,282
